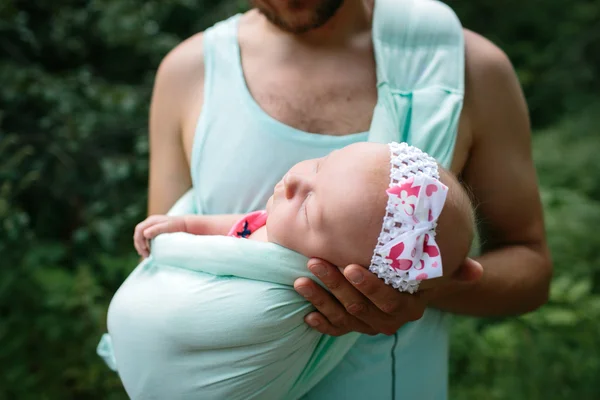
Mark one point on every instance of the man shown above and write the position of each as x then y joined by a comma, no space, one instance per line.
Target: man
329,41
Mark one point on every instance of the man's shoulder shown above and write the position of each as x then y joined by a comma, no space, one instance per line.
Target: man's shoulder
179,79
485,62
493,93
184,64
490,78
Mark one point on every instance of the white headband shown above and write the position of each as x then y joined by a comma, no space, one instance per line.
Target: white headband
406,251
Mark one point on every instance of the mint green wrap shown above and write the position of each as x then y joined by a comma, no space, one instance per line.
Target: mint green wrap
238,333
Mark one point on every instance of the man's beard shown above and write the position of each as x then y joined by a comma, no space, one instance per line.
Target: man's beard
317,18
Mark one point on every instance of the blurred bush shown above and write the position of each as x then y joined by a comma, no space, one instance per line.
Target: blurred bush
76,81
553,353
555,45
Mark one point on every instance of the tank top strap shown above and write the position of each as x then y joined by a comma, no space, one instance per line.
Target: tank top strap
419,52
220,53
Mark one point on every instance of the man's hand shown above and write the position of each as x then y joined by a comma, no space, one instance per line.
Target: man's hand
359,301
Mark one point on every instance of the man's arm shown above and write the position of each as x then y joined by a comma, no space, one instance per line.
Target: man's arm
500,172
178,84
501,175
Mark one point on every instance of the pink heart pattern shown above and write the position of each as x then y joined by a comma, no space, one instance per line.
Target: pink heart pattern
397,262
415,251
430,189
432,251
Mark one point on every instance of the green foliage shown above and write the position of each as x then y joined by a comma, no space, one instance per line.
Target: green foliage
76,83
553,353
554,45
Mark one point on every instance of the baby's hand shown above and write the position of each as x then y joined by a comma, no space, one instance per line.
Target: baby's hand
153,226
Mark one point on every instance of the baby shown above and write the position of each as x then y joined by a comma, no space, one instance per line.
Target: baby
390,208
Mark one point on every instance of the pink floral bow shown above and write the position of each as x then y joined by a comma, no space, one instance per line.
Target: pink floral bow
416,204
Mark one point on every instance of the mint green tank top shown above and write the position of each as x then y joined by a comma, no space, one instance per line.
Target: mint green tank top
240,152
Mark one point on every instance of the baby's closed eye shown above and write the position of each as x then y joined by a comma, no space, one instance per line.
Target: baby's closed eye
304,206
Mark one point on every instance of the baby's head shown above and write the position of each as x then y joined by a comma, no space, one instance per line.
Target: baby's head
333,208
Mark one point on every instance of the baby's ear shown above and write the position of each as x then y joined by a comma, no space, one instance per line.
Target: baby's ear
469,271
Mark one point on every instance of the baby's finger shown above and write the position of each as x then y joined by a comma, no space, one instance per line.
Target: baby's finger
141,250
138,232
146,248
151,220
155,230
138,242
136,245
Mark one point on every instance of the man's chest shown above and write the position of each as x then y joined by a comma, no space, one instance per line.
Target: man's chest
331,105
332,99
322,93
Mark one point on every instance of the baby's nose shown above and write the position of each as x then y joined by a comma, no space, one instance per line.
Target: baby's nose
295,185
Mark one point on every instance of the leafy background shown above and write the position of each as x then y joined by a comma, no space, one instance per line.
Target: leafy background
76,77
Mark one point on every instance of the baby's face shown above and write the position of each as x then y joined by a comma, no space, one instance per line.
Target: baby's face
332,207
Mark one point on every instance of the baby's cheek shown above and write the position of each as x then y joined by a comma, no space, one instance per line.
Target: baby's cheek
333,251
283,232
305,243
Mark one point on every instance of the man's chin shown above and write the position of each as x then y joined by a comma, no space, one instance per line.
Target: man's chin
293,28
301,25
298,29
